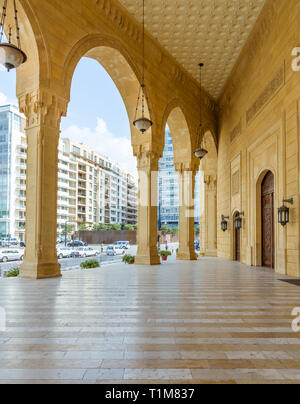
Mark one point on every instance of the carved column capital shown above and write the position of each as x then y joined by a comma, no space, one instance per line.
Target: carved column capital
43,107
147,158
186,167
211,182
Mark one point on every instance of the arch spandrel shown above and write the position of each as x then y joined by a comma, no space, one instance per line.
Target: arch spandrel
36,71
118,63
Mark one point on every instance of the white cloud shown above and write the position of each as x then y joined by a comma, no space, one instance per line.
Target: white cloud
3,99
106,143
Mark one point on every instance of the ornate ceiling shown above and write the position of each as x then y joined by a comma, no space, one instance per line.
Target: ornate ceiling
212,31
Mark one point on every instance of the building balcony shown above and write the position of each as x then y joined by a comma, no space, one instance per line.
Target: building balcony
20,208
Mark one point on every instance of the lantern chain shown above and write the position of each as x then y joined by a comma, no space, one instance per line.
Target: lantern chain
2,21
17,26
143,79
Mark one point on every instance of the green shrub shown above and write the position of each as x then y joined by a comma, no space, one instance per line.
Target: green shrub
165,253
13,273
89,264
128,259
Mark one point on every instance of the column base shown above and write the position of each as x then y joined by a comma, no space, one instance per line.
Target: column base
210,253
147,260
33,270
187,256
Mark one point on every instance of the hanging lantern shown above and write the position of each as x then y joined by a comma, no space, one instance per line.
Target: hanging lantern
143,123
224,223
238,221
200,152
284,213
11,56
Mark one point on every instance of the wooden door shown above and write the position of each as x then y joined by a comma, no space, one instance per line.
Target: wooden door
267,208
237,244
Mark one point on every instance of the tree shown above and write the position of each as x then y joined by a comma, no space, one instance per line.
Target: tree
116,226
128,227
165,230
197,230
83,227
174,231
68,229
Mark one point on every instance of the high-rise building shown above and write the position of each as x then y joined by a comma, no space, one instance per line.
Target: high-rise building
12,172
168,188
92,189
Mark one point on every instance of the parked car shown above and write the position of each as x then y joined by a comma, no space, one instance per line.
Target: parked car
77,243
113,250
11,241
122,244
11,254
64,252
86,252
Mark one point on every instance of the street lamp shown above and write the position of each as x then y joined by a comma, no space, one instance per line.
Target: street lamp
284,212
224,223
238,221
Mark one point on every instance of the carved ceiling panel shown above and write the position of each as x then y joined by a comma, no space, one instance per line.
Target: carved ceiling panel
212,31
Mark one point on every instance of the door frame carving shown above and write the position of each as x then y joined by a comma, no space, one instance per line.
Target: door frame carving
233,235
258,230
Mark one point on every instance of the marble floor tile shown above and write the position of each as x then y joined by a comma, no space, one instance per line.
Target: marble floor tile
209,321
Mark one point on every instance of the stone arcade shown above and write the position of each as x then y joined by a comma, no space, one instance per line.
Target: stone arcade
251,118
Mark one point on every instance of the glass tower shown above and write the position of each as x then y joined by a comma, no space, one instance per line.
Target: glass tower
5,172
168,189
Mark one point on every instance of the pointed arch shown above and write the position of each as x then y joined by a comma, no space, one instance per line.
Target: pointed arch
121,67
175,116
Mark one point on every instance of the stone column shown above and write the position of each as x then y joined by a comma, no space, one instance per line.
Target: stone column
208,217
43,111
186,181
147,209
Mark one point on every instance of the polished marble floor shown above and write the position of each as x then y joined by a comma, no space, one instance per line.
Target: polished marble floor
210,321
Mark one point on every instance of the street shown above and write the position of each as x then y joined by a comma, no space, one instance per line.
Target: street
69,263
75,262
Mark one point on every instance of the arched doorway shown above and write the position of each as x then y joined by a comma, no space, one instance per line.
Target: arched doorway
237,241
267,221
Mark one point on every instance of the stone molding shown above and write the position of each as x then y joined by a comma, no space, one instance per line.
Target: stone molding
211,182
236,131
187,167
265,97
253,46
42,107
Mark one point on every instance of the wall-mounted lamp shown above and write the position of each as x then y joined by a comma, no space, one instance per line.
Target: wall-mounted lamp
284,212
224,223
238,221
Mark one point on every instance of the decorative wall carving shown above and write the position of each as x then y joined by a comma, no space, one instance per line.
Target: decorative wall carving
236,131
272,88
235,183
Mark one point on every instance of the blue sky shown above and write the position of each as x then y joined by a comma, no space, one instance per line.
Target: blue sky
96,113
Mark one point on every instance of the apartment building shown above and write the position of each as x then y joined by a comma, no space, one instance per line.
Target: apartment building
92,189
105,193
